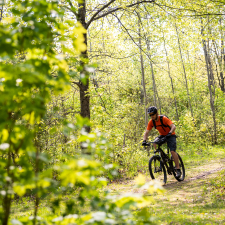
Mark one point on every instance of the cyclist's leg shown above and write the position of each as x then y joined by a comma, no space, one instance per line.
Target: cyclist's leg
175,158
172,145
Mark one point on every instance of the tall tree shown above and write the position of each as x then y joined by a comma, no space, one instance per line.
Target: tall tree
101,11
211,81
169,73
184,70
142,69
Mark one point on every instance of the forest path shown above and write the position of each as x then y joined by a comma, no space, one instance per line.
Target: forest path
186,202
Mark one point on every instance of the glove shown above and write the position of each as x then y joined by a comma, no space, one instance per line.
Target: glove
144,143
168,135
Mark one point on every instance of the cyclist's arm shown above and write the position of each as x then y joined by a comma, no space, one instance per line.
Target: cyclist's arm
146,134
172,128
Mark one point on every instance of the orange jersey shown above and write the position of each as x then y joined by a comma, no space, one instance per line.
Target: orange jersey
162,130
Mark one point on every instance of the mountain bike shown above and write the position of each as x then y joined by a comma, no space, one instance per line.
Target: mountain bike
161,163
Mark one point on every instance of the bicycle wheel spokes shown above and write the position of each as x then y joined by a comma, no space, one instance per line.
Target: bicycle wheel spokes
157,169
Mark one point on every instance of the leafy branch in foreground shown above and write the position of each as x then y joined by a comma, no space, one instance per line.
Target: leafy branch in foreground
28,58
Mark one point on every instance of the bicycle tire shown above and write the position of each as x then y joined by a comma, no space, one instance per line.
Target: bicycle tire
182,169
157,169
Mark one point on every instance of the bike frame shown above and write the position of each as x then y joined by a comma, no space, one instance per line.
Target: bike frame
165,159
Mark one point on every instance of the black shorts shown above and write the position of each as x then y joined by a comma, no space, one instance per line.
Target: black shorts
171,142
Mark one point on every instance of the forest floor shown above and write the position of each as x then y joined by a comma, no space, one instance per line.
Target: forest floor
199,199
191,201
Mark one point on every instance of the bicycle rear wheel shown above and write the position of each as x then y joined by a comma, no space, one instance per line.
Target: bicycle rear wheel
157,169
182,169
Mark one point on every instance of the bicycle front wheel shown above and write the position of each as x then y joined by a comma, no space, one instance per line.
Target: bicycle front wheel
182,169
157,169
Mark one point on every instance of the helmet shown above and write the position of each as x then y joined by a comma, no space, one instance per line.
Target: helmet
152,109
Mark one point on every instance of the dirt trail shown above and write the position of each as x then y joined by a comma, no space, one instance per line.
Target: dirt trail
184,202
198,173
202,173
195,174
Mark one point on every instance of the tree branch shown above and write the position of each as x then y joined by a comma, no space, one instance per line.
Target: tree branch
131,37
137,3
111,56
190,10
77,83
70,9
147,55
93,17
206,14
113,10
107,13
95,56
96,89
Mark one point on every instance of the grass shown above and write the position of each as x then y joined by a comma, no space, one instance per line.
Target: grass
25,207
187,202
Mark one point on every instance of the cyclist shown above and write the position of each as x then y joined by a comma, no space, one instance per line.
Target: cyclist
166,130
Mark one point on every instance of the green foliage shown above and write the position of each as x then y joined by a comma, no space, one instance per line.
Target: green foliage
42,139
31,72
27,60
89,205
116,92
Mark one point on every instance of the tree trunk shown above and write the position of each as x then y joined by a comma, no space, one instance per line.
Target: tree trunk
222,82
219,61
222,87
210,84
84,86
1,13
156,96
171,79
37,199
153,76
7,199
185,75
221,58
142,72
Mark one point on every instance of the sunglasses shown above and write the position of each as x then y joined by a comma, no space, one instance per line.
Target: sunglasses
152,114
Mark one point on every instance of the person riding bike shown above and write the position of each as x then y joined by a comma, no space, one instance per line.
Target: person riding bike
166,130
